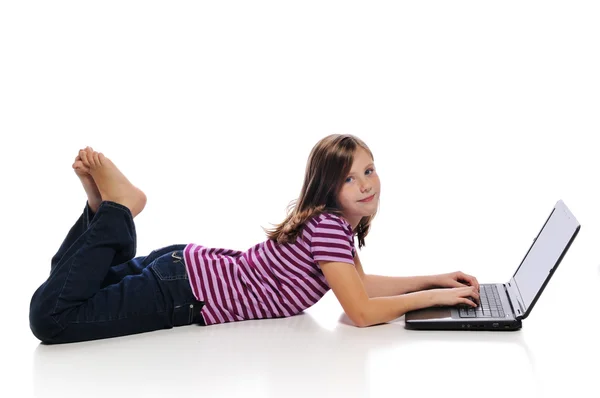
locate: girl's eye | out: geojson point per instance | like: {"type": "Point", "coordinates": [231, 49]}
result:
{"type": "Point", "coordinates": [369, 171]}
{"type": "Point", "coordinates": [349, 179]}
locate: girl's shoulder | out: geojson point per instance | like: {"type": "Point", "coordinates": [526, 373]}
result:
{"type": "Point", "coordinates": [333, 219]}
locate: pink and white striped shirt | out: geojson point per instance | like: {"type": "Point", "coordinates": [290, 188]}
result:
{"type": "Point", "coordinates": [268, 280]}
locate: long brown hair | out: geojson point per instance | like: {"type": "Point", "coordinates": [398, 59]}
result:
{"type": "Point", "coordinates": [328, 165]}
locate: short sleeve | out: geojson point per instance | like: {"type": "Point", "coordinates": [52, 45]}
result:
{"type": "Point", "coordinates": [332, 241]}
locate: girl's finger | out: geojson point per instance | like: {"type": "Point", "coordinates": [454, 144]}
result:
{"type": "Point", "coordinates": [475, 294]}
{"type": "Point", "coordinates": [472, 281]}
{"type": "Point", "coordinates": [458, 284]}
{"type": "Point", "coordinates": [468, 302]}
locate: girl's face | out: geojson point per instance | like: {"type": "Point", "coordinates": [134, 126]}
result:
{"type": "Point", "coordinates": [359, 196]}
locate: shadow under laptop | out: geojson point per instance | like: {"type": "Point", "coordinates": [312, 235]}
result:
{"type": "Point", "coordinates": [291, 357]}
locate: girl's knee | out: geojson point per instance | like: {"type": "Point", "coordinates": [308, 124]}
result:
{"type": "Point", "coordinates": [41, 322]}
{"type": "Point", "coordinates": [43, 327]}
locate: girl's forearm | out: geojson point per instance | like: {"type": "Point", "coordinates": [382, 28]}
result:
{"type": "Point", "coordinates": [385, 286]}
{"type": "Point", "coordinates": [385, 309]}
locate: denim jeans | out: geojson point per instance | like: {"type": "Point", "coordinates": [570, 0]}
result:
{"type": "Point", "coordinates": [98, 289]}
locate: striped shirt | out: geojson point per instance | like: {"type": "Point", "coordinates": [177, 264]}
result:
{"type": "Point", "coordinates": [268, 280]}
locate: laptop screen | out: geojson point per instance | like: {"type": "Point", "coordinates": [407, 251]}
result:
{"type": "Point", "coordinates": [545, 252]}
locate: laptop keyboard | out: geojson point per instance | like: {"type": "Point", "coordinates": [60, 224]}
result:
{"type": "Point", "coordinates": [490, 304]}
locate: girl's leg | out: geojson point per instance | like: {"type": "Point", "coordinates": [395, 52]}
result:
{"type": "Point", "coordinates": [91, 207]}
{"type": "Point", "coordinates": [83, 300]}
{"type": "Point", "coordinates": [72, 306]}
{"type": "Point", "coordinates": [72, 241]}
{"type": "Point", "coordinates": [135, 266]}
{"type": "Point", "coordinates": [82, 263]}
{"type": "Point", "coordinates": [158, 298]}
{"type": "Point", "coordinates": [74, 233]}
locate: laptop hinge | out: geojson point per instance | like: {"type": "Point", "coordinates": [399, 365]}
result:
{"type": "Point", "coordinates": [516, 301]}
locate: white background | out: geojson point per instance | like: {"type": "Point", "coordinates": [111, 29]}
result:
{"type": "Point", "coordinates": [480, 116]}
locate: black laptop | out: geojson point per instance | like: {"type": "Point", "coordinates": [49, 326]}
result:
{"type": "Point", "coordinates": [504, 305]}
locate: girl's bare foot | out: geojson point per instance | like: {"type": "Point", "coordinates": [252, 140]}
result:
{"type": "Point", "coordinates": [93, 194]}
{"type": "Point", "coordinates": [112, 184]}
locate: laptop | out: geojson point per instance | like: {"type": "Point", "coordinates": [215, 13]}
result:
{"type": "Point", "coordinates": [503, 306]}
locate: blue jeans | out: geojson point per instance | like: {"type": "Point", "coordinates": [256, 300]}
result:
{"type": "Point", "coordinates": [98, 289]}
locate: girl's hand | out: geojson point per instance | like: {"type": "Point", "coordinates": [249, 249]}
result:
{"type": "Point", "coordinates": [455, 296]}
{"type": "Point", "coordinates": [455, 279]}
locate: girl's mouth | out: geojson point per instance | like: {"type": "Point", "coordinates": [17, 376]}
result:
{"type": "Point", "coordinates": [370, 198]}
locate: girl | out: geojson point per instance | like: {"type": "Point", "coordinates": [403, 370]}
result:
{"type": "Point", "coordinates": [98, 289]}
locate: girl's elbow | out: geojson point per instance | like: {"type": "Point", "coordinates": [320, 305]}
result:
{"type": "Point", "coordinates": [359, 319]}
{"type": "Point", "coordinates": [359, 313]}
{"type": "Point", "coordinates": [359, 323]}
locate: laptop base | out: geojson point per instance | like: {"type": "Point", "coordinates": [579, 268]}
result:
{"type": "Point", "coordinates": [467, 324]}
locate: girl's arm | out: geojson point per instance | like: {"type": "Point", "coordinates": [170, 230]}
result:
{"type": "Point", "coordinates": [384, 286]}
{"type": "Point", "coordinates": [347, 285]}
